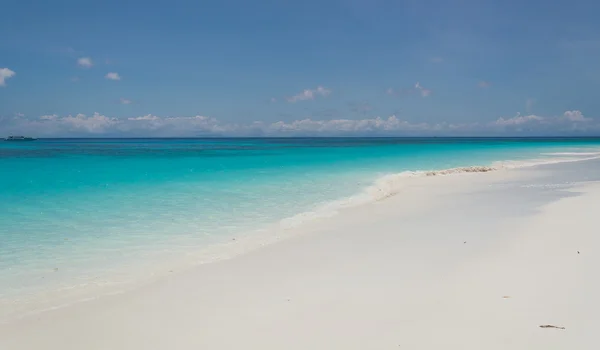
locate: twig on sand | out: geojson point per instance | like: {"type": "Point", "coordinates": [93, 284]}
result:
{"type": "Point", "coordinates": [551, 326]}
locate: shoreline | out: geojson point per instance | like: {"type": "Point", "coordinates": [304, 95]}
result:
{"type": "Point", "coordinates": [384, 188]}
{"type": "Point", "coordinates": [376, 264]}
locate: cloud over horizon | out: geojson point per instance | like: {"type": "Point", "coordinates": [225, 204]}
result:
{"type": "Point", "coordinates": [97, 125]}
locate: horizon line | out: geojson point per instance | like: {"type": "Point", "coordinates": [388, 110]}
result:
{"type": "Point", "coordinates": [315, 137]}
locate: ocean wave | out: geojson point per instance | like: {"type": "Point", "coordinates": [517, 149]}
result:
{"type": "Point", "coordinates": [390, 185]}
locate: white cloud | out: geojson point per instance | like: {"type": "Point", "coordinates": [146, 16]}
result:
{"type": "Point", "coordinates": [145, 117]}
{"type": "Point", "coordinates": [124, 101]}
{"type": "Point", "coordinates": [85, 62]}
{"type": "Point", "coordinates": [576, 116]}
{"type": "Point", "coordinates": [80, 124]}
{"type": "Point", "coordinates": [309, 94]}
{"type": "Point", "coordinates": [424, 92]}
{"type": "Point", "coordinates": [113, 76]}
{"type": "Point", "coordinates": [568, 119]}
{"type": "Point", "coordinates": [152, 125]}
{"type": "Point", "coordinates": [5, 73]}
{"type": "Point", "coordinates": [95, 124]}
{"type": "Point", "coordinates": [391, 123]}
{"type": "Point", "coordinates": [518, 120]}
{"type": "Point", "coordinates": [175, 126]}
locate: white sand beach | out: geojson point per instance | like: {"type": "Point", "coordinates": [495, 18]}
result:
{"type": "Point", "coordinates": [470, 261]}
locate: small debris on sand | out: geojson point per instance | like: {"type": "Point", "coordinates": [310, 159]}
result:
{"type": "Point", "coordinates": [465, 242]}
{"type": "Point", "coordinates": [578, 252]}
{"type": "Point", "coordinates": [551, 326]}
{"type": "Point", "coordinates": [506, 297]}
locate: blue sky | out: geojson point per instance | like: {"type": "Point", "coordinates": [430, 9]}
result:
{"type": "Point", "coordinates": [183, 68]}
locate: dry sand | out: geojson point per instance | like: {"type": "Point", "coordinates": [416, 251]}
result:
{"type": "Point", "coordinates": [476, 261]}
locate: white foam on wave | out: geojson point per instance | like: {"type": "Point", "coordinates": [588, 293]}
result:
{"type": "Point", "coordinates": [391, 184]}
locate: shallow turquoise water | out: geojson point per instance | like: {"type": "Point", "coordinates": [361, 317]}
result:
{"type": "Point", "coordinates": [90, 207]}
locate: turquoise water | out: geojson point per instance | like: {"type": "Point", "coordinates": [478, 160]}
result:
{"type": "Point", "coordinates": [75, 211]}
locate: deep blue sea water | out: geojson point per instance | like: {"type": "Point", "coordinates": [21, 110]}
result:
{"type": "Point", "coordinates": [75, 211]}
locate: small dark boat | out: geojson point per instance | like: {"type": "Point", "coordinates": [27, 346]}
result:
{"type": "Point", "coordinates": [20, 138]}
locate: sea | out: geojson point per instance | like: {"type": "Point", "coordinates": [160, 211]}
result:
{"type": "Point", "coordinates": [81, 214]}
